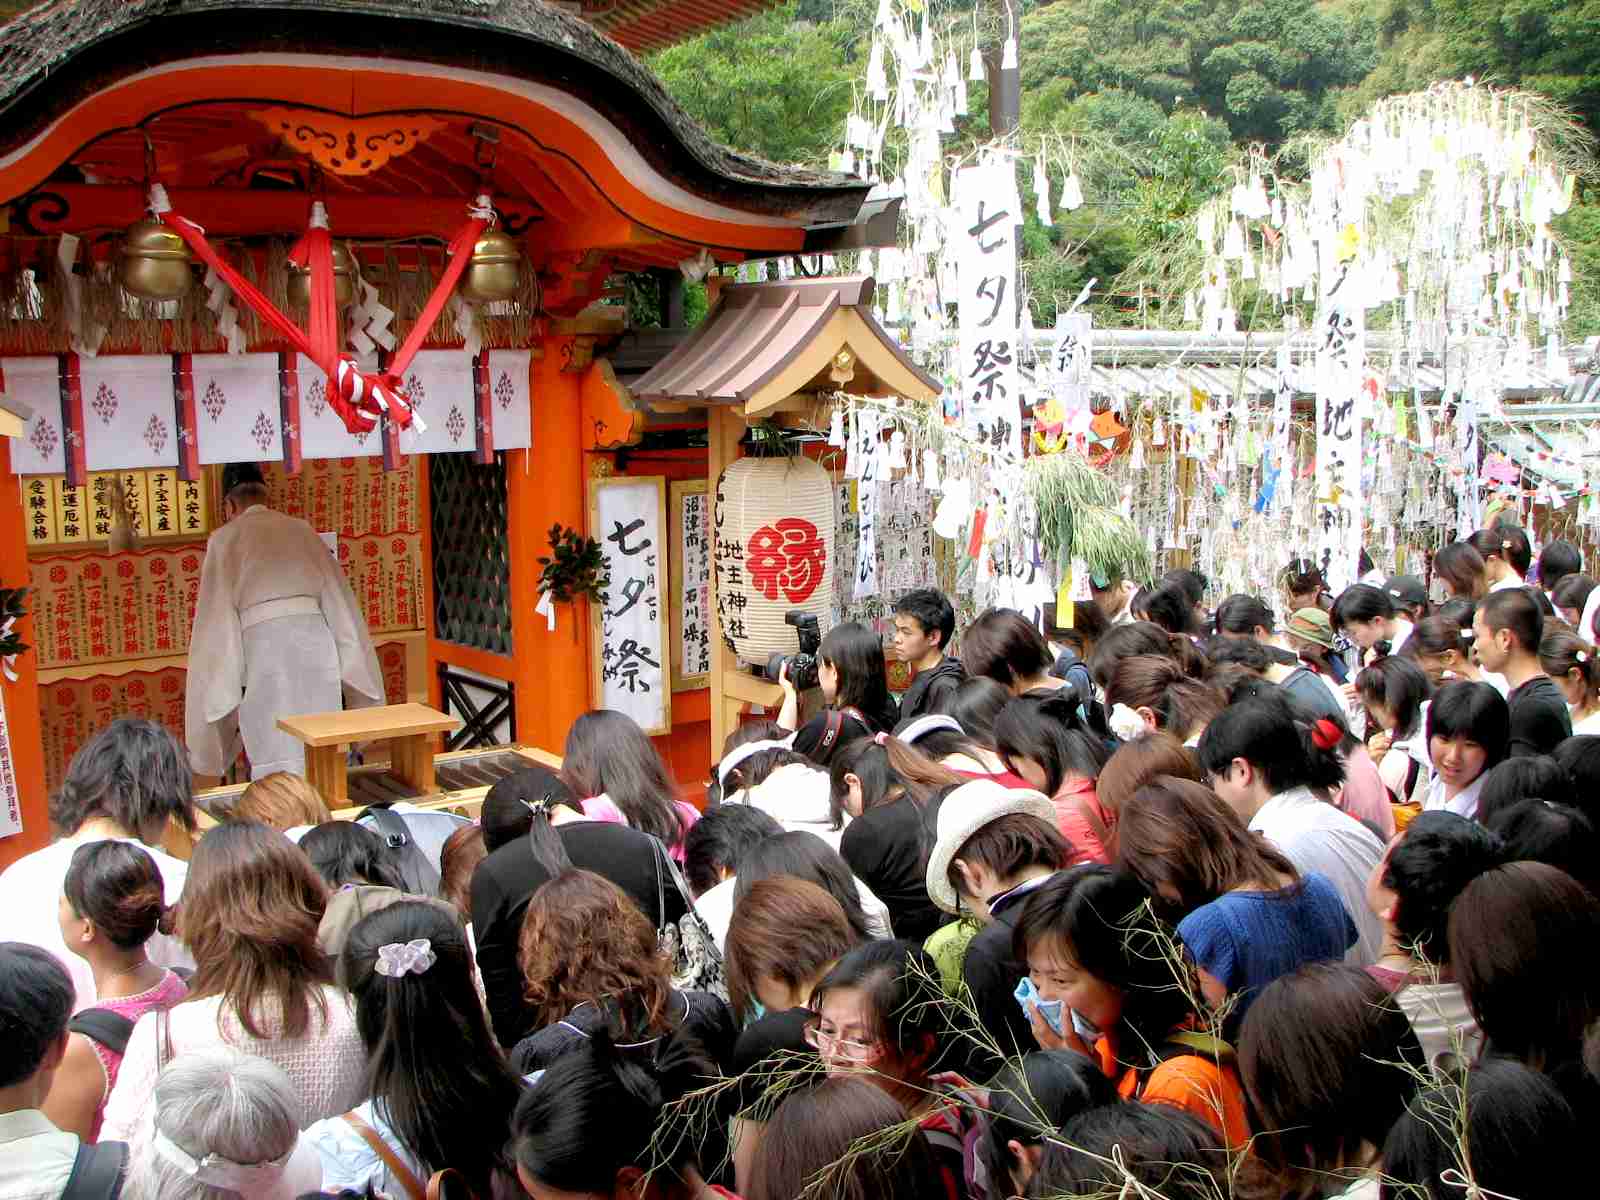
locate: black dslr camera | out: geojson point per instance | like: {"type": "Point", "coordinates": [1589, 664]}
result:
{"type": "Point", "coordinates": [802, 666]}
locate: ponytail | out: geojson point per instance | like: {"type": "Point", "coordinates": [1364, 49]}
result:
{"type": "Point", "coordinates": [887, 769]}
{"type": "Point", "coordinates": [549, 851]}
{"type": "Point", "coordinates": [1156, 682]}
{"type": "Point", "coordinates": [1561, 652]}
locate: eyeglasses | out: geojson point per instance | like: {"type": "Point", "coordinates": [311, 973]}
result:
{"type": "Point", "coordinates": [831, 1043]}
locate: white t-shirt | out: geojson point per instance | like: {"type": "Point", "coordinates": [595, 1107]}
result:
{"type": "Point", "coordinates": [1440, 1017]}
{"type": "Point", "coordinates": [30, 896]}
{"type": "Point", "coordinates": [1316, 836]}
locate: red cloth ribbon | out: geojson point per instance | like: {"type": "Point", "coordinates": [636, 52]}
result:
{"type": "Point", "coordinates": [1325, 735]}
{"type": "Point", "coordinates": [359, 397]}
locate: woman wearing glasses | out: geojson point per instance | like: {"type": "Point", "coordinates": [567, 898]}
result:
{"type": "Point", "coordinates": [881, 1014]}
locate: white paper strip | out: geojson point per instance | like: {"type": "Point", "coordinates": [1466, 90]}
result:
{"type": "Point", "coordinates": [128, 412]}
{"type": "Point", "coordinates": [36, 382]}
{"type": "Point", "coordinates": [322, 433]}
{"type": "Point", "coordinates": [439, 385]}
{"type": "Point", "coordinates": [512, 397]}
{"type": "Point", "coordinates": [236, 407]}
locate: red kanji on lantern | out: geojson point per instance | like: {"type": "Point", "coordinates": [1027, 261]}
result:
{"type": "Point", "coordinates": [787, 555]}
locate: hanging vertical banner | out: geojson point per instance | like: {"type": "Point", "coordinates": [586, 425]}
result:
{"type": "Point", "coordinates": [986, 313]}
{"type": "Point", "coordinates": [691, 585]}
{"type": "Point", "coordinates": [1341, 364]}
{"type": "Point", "coordinates": [10, 802]}
{"type": "Point", "coordinates": [628, 517]}
{"type": "Point", "coordinates": [1467, 439]}
{"type": "Point", "coordinates": [1071, 365]}
{"type": "Point", "coordinates": [866, 429]}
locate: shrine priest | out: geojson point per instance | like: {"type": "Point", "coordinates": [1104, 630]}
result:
{"type": "Point", "coordinates": [277, 632]}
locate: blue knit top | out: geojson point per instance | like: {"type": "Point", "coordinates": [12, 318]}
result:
{"type": "Point", "coordinates": [1247, 939]}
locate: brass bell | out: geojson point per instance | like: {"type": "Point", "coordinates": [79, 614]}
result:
{"type": "Point", "coordinates": [155, 262]}
{"type": "Point", "coordinates": [494, 273]}
{"type": "Point", "coordinates": [344, 280]}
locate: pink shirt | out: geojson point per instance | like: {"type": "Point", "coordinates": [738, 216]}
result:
{"type": "Point", "coordinates": [165, 994]}
{"type": "Point", "coordinates": [603, 808]}
{"type": "Point", "coordinates": [1075, 796]}
{"type": "Point", "coordinates": [1365, 796]}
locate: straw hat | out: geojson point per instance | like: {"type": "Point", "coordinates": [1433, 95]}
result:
{"type": "Point", "coordinates": [966, 810]}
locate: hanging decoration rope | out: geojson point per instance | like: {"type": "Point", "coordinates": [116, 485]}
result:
{"type": "Point", "coordinates": [359, 397]}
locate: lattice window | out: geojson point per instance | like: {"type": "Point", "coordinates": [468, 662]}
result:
{"type": "Point", "coordinates": [471, 557]}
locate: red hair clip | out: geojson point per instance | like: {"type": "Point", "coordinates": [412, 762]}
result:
{"type": "Point", "coordinates": [1325, 734]}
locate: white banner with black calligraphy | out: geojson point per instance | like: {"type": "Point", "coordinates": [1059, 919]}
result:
{"type": "Point", "coordinates": [986, 314]}
{"type": "Point", "coordinates": [694, 557]}
{"type": "Point", "coordinates": [10, 797]}
{"type": "Point", "coordinates": [870, 462]}
{"type": "Point", "coordinates": [629, 522]}
{"type": "Point", "coordinates": [1341, 367]}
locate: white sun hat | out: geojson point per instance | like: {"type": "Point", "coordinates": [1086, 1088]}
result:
{"type": "Point", "coordinates": [966, 810]}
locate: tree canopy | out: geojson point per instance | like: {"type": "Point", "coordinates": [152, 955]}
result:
{"type": "Point", "coordinates": [1151, 102]}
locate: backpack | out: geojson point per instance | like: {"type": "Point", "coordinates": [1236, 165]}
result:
{"type": "Point", "coordinates": [415, 838]}
{"type": "Point", "coordinates": [111, 1029]}
{"type": "Point", "coordinates": [97, 1170]}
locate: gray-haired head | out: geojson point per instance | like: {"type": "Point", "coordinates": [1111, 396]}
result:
{"type": "Point", "coordinates": [133, 772]}
{"type": "Point", "coordinates": [224, 1111]}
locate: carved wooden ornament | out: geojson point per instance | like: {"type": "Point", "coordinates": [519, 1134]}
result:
{"type": "Point", "coordinates": [348, 145]}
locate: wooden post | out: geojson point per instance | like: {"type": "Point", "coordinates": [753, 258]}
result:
{"type": "Point", "coordinates": [724, 428]}
{"type": "Point", "coordinates": [21, 698]}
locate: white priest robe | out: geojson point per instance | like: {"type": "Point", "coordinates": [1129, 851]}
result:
{"type": "Point", "coordinates": [277, 631]}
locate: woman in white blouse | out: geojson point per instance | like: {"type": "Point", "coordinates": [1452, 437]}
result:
{"type": "Point", "coordinates": [249, 914]}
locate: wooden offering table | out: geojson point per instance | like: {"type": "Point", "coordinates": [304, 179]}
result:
{"type": "Point", "coordinates": [410, 730]}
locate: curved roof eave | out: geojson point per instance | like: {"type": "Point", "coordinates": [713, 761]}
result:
{"type": "Point", "coordinates": [61, 53]}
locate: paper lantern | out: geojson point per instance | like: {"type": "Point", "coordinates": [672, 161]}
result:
{"type": "Point", "coordinates": [774, 552]}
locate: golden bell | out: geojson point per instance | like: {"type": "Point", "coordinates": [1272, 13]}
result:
{"type": "Point", "coordinates": [344, 279]}
{"type": "Point", "coordinates": [494, 273]}
{"type": "Point", "coordinates": [155, 262]}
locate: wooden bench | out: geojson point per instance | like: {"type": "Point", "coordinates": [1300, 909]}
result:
{"type": "Point", "coordinates": [410, 730]}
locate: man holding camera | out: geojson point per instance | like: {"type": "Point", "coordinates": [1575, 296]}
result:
{"type": "Point", "coordinates": [924, 623]}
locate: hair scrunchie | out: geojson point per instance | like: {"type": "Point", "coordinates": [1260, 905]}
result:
{"type": "Point", "coordinates": [1325, 734]}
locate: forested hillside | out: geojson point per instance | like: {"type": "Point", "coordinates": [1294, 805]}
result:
{"type": "Point", "coordinates": [1153, 99]}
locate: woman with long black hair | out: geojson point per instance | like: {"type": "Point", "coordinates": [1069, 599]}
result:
{"type": "Point", "coordinates": [854, 678]}
{"type": "Point", "coordinates": [440, 1101]}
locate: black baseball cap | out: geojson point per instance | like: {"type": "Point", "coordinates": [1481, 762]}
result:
{"type": "Point", "coordinates": [1406, 590]}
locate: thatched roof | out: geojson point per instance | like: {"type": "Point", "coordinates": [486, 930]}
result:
{"type": "Point", "coordinates": [54, 55]}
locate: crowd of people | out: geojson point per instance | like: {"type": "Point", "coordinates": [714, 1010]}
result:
{"type": "Point", "coordinates": [1286, 895]}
